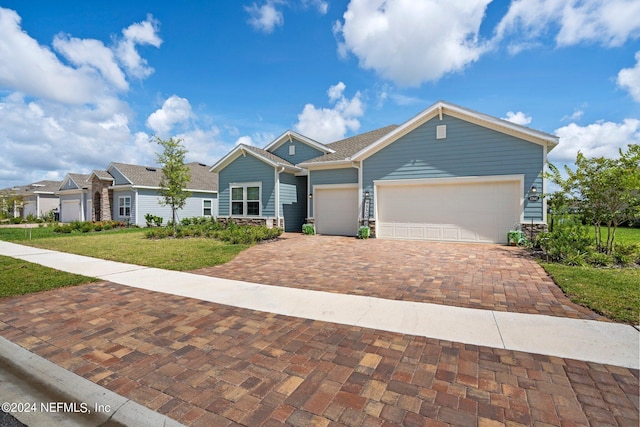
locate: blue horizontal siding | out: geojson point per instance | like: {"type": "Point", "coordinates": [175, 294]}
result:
{"type": "Point", "coordinates": [302, 152]}
{"type": "Point", "coordinates": [247, 169]}
{"type": "Point", "coordinates": [331, 176]}
{"type": "Point", "coordinates": [468, 150]}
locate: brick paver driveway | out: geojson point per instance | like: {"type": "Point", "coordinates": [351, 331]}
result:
{"type": "Point", "coordinates": [481, 276]}
{"type": "Point", "coordinates": [206, 364]}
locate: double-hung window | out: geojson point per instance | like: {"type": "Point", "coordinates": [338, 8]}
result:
{"type": "Point", "coordinates": [207, 207]}
{"type": "Point", "coordinates": [245, 199]}
{"type": "Point", "coordinates": [124, 204]}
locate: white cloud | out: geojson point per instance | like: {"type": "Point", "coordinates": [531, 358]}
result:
{"type": "Point", "coordinates": [141, 33]}
{"type": "Point", "coordinates": [577, 115]}
{"type": "Point", "coordinates": [331, 124]}
{"type": "Point", "coordinates": [607, 22]}
{"type": "Point", "coordinates": [412, 41]}
{"type": "Point", "coordinates": [61, 138]}
{"type": "Point", "coordinates": [320, 5]}
{"type": "Point", "coordinates": [600, 139]}
{"type": "Point", "coordinates": [629, 79]}
{"type": "Point", "coordinates": [94, 54]}
{"type": "Point", "coordinates": [68, 115]}
{"type": "Point", "coordinates": [32, 69]}
{"type": "Point", "coordinates": [174, 111]}
{"type": "Point", "coordinates": [518, 118]}
{"type": "Point", "coordinates": [266, 17]}
{"type": "Point", "coordinates": [245, 140]}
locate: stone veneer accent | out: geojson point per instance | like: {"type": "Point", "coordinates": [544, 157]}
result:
{"type": "Point", "coordinates": [372, 226]}
{"type": "Point", "coordinates": [537, 229]}
{"type": "Point", "coordinates": [106, 199]}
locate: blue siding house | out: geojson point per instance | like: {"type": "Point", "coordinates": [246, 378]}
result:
{"type": "Point", "coordinates": [447, 174]}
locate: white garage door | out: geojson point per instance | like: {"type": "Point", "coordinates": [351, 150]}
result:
{"type": "Point", "coordinates": [336, 210]}
{"type": "Point", "coordinates": [451, 211]}
{"type": "Point", "coordinates": [70, 211]}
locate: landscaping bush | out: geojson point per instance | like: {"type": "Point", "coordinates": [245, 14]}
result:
{"type": "Point", "coordinates": [87, 227]}
{"type": "Point", "coordinates": [364, 232]}
{"type": "Point", "coordinates": [308, 229]}
{"type": "Point", "coordinates": [208, 227]}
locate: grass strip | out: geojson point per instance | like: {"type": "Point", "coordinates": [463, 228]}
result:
{"type": "Point", "coordinates": [19, 277]}
{"type": "Point", "coordinates": [613, 292]}
{"type": "Point", "coordinates": [134, 248]}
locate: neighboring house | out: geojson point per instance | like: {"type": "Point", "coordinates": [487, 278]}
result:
{"type": "Point", "coordinates": [35, 199]}
{"type": "Point", "coordinates": [75, 198]}
{"type": "Point", "coordinates": [126, 192]}
{"type": "Point", "coordinates": [447, 174]}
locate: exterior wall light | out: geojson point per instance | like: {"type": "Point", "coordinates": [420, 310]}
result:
{"type": "Point", "coordinates": [310, 196]}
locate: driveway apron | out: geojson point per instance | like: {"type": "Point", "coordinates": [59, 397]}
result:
{"type": "Point", "coordinates": [482, 276]}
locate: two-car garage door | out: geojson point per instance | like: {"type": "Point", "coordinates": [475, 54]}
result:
{"type": "Point", "coordinates": [449, 210]}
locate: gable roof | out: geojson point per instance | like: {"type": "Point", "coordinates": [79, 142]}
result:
{"type": "Point", "coordinates": [80, 180]}
{"type": "Point", "coordinates": [100, 174]}
{"type": "Point", "coordinates": [345, 148]}
{"type": "Point", "coordinates": [150, 176]}
{"type": "Point", "coordinates": [259, 153]}
{"type": "Point", "coordinates": [481, 119]}
{"type": "Point", "coordinates": [288, 135]}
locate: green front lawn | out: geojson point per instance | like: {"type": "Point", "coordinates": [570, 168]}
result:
{"type": "Point", "coordinates": [19, 277]}
{"type": "Point", "coordinates": [613, 292]}
{"type": "Point", "coordinates": [131, 246]}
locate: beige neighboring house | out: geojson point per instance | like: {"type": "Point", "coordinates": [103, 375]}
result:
{"type": "Point", "coordinates": [37, 199]}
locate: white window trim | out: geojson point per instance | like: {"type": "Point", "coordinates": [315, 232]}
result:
{"type": "Point", "coordinates": [122, 206]}
{"type": "Point", "coordinates": [210, 207]}
{"type": "Point", "coordinates": [244, 186]}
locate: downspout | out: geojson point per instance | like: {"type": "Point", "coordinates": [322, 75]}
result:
{"type": "Point", "coordinates": [278, 172]}
{"type": "Point", "coordinates": [360, 206]}
{"type": "Point", "coordinates": [135, 193]}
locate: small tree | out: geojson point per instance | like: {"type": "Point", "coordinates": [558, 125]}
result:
{"type": "Point", "coordinates": [606, 191]}
{"type": "Point", "coordinates": [175, 175]}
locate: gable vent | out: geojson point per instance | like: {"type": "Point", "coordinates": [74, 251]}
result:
{"type": "Point", "coordinates": [441, 131]}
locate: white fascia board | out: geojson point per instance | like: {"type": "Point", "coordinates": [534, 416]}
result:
{"type": "Point", "coordinates": [333, 164]}
{"type": "Point", "coordinates": [239, 151]}
{"type": "Point", "coordinates": [471, 116]}
{"type": "Point", "coordinates": [285, 137]}
{"type": "Point", "coordinates": [70, 191]}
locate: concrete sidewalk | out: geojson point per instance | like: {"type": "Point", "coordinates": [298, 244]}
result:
{"type": "Point", "coordinates": [586, 340]}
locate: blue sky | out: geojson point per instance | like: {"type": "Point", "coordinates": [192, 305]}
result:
{"type": "Point", "coordinates": [86, 83]}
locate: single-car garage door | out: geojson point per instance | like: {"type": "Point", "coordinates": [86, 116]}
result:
{"type": "Point", "coordinates": [70, 211]}
{"type": "Point", "coordinates": [450, 210]}
{"type": "Point", "coordinates": [336, 210]}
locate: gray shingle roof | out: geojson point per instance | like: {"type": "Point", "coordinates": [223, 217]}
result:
{"type": "Point", "coordinates": [102, 175]}
{"type": "Point", "coordinates": [80, 179]}
{"type": "Point", "coordinates": [44, 186]}
{"type": "Point", "coordinates": [268, 155]}
{"type": "Point", "coordinates": [346, 148]}
{"type": "Point", "coordinates": [150, 176]}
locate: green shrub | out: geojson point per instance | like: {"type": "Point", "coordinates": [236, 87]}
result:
{"type": "Point", "coordinates": [308, 229]}
{"type": "Point", "coordinates": [599, 259]}
{"type": "Point", "coordinates": [16, 220]}
{"type": "Point", "coordinates": [364, 232]}
{"type": "Point", "coordinates": [569, 242]}
{"type": "Point", "coordinates": [626, 254]}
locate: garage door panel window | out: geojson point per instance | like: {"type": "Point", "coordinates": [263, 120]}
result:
{"type": "Point", "coordinates": [245, 200]}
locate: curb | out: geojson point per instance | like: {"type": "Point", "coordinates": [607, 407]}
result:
{"type": "Point", "coordinates": [46, 394]}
